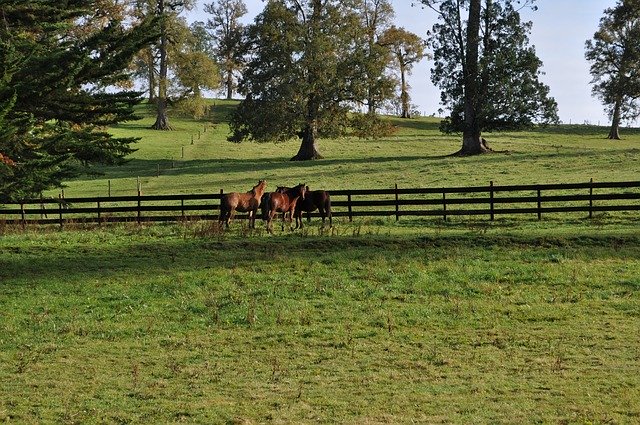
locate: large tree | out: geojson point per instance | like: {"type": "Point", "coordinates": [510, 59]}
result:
{"type": "Point", "coordinates": [303, 75]}
{"type": "Point", "coordinates": [227, 33]}
{"type": "Point", "coordinates": [614, 54]}
{"type": "Point", "coordinates": [487, 71]}
{"type": "Point", "coordinates": [407, 49]}
{"type": "Point", "coordinates": [57, 92]}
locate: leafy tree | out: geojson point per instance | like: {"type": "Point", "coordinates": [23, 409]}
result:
{"type": "Point", "coordinates": [56, 92]}
{"type": "Point", "coordinates": [376, 17]}
{"type": "Point", "coordinates": [167, 9]}
{"type": "Point", "coordinates": [407, 49]}
{"type": "Point", "coordinates": [486, 70]}
{"type": "Point", "coordinates": [227, 35]}
{"type": "Point", "coordinates": [614, 54]}
{"type": "Point", "coordinates": [304, 73]}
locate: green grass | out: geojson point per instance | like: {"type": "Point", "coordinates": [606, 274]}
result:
{"type": "Point", "coordinates": [375, 321]}
{"type": "Point", "coordinates": [415, 156]}
{"type": "Point", "coordinates": [508, 324]}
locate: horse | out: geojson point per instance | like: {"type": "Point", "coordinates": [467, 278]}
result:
{"type": "Point", "coordinates": [314, 199]}
{"type": "Point", "coordinates": [243, 202]}
{"type": "Point", "coordinates": [284, 202]}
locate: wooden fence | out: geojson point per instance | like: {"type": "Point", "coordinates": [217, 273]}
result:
{"type": "Point", "coordinates": [489, 201]}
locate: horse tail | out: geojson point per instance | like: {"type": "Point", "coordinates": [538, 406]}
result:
{"type": "Point", "coordinates": [264, 206]}
{"type": "Point", "coordinates": [327, 208]}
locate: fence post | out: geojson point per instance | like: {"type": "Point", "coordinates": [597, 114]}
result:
{"type": "Point", "coordinates": [591, 198]}
{"type": "Point", "coordinates": [99, 221]}
{"type": "Point", "coordinates": [109, 188]}
{"type": "Point", "coordinates": [491, 199]}
{"type": "Point", "coordinates": [539, 204]}
{"type": "Point", "coordinates": [61, 200]}
{"type": "Point", "coordinates": [139, 201]}
{"type": "Point", "coordinates": [22, 215]}
{"type": "Point", "coordinates": [397, 205]}
{"type": "Point", "coordinates": [349, 207]}
{"type": "Point", "coordinates": [444, 204]}
{"type": "Point", "coordinates": [220, 210]}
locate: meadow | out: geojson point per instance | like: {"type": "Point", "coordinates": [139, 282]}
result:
{"type": "Point", "coordinates": [375, 321]}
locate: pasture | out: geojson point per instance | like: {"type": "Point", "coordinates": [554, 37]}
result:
{"type": "Point", "coordinates": [375, 321]}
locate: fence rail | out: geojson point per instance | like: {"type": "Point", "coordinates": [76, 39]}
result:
{"type": "Point", "coordinates": [490, 201]}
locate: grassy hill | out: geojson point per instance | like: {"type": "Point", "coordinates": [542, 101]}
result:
{"type": "Point", "coordinates": [415, 156]}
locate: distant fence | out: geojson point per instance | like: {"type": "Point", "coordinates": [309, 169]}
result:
{"type": "Point", "coordinates": [489, 201]}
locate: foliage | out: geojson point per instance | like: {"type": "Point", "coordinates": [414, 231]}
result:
{"type": "Point", "coordinates": [371, 126]}
{"type": "Point", "coordinates": [510, 94]}
{"type": "Point", "coordinates": [614, 54]}
{"type": "Point", "coordinates": [304, 73]}
{"type": "Point", "coordinates": [407, 49]}
{"type": "Point", "coordinates": [227, 38]}
{"type": "Point", "coordinates": [55, 92]}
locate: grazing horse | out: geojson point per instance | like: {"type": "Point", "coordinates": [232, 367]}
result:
{"type": "Point", "coordinates": [243, 202]}
{"type": "Point", "coordinates": [284, 202]}
{"type": "Point", "coordinates": [314, 199]}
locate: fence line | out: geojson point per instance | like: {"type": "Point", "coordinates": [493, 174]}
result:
{"type": "Point", "coordinates": [490, 201]}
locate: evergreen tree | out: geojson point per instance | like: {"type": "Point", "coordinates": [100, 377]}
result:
{"type": "Point", "coordinates": [487, 71]}
{"type": "Point", "coordinates": [56, 92]}
{"type": "Point", "coordinates": [614, 54]}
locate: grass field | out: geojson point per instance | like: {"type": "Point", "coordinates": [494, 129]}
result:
{"type": "Point", "coordinates": [420, 321]}
{"type": "Point", "coordinates": [415, 156]}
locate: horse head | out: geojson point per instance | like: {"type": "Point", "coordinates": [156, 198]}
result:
{"type": "Point", "coordinates": [258, 190]}
{"type": "Point", "coordinates": [302, 190]}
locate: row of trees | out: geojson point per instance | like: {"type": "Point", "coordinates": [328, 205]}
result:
{"type": "Point", "coordinates": [305, 68]}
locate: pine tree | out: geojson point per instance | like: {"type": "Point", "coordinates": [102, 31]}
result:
{"type": "Point", "coordinates": [487, 71]}
{"type": "Point", "coordinates": [57, 92]}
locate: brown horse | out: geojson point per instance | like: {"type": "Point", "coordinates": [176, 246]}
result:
{"type": "Point", "coordinates": [314, 199]}
{"type": "Point", "coordinates": [243, 202]}
{"type": "Point", "coordinates": [284, 202]}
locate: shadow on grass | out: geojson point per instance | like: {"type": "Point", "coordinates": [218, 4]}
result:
{"type": "Point", "coordinates": [155, 256]}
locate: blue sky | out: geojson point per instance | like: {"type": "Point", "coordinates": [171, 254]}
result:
{"type": "Point", "coordinates": [560, 29]}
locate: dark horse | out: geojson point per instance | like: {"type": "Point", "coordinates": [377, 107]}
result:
{"type": "Point", "coordinates": [243, 202]}
{"type": "Point", "coordinates": [314, 199]}
{"type": "Point", "coordinates": [284, 202]}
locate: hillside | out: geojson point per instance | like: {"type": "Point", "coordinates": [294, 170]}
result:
{"type": "Point", "coordinates": [415, 156]}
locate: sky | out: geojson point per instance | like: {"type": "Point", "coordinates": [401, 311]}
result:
{"type": "Point", "coordinates": [560, 29]}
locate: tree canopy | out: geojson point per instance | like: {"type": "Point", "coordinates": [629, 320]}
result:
{"type": "Point", "coordinates": [614, 55]}
{"type": "Point", "coordinates": [304, 73]}
{"type": "Point", "coordinates": [57, 92]}
{"type": "Point", "coordinates": [486, 70]}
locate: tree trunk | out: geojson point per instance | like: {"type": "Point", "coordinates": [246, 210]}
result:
{"type": "Point", "coordinates": [151, 75]}
{"type": "Point", "coordinates": [308, 148]}
{"type": "Point", "coordinates": [162, 122]}
{"type": "Point", "coordinates": [229, 84]}
{"type": "Point", "coordinates": [404, 94]}
{"type": "Point", "coordinates": [472, 143]}
{"type": "Point", "coordinates": [614, 132]}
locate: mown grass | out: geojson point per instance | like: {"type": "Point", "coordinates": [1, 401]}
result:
{"type": "Point", "coordinates": [375, 321]}
{"type": "Point", "coordinates": [415, 156]}
{"type": "Point", "coordinates": [513, 323]}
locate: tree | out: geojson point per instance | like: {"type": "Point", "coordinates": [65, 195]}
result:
{"type": "Point", "coordinates": [376, 16]}
{"type": "Point", "coordinates": [303, 74]}
{"type": "Point", "coordinates": [486, 70]}
{"type": "Point", "coordinates": [227, 34]}
{"type": "Point", "coordinates": [614, 54]}
{"type": "Point", "coordinates": [57, 92]}
{"type": "Point", "coordinates": [407, 49]}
